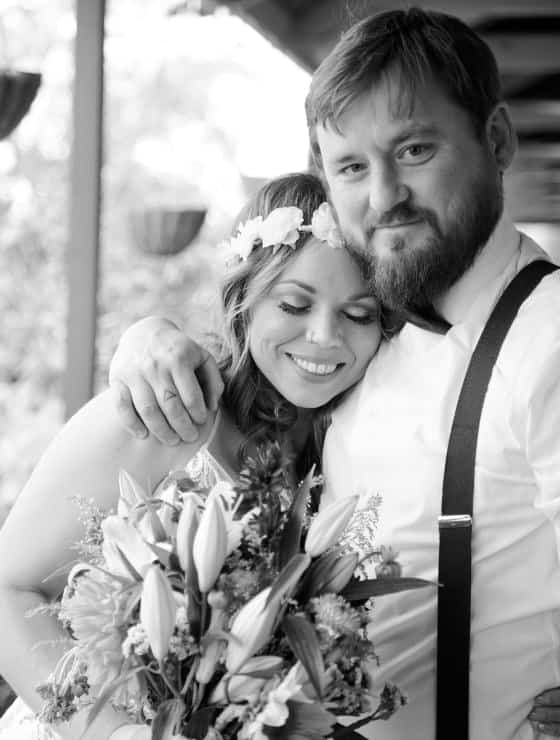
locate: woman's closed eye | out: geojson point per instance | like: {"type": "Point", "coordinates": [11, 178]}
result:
{"type": "Point", "coordinates": [362, 315]}
{"type": "Point", "coordinates": [294, 307]}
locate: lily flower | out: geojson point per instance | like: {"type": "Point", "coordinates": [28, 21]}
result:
{"type": "Point", "coordinates": [251, 629]}
{"type": "Point", "coordinates": [186, 530]}
{"type": "Point", "coordinates": [121, 538]}
{"type": "Point", "coordinates": [210, 544]}
{"type": "Point", "coordinates": [328, 526]}
{"type": "Point", "coordinates": [158, 609]}
{"type": "Point", "coordinates": [242, 686]}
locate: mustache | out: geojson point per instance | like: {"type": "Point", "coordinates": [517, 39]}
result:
{"type": "Point", "coordinates": [404, 211]}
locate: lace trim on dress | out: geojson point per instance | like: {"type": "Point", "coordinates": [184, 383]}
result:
{"type": "Point", "coordinates": [203, 468]}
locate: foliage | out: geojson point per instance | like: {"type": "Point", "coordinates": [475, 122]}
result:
{"type": "Point", "coordinates": [172, 133]}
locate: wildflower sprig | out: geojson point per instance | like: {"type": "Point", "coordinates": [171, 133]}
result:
{"type": "Point", "coordinates": [227, 613]}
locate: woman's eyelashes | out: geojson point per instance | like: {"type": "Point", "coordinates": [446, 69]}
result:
{"type": "Point", "coordinates": [356, 314]}
{"type": "Point", "coordinates": [292, 308]}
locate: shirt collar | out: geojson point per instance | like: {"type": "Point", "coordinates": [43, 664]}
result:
{"type": "Point", "coordinates": [483, 282]}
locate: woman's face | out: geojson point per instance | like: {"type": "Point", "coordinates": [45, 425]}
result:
{"type": "Point", "coordinates": [314, 332]}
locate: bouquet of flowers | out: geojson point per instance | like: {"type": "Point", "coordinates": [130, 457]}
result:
{"type": "Point", "coordinates": [229, 613]}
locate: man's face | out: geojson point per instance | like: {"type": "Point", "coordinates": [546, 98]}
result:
{"type": "Point", "coordinates": [416, 191]}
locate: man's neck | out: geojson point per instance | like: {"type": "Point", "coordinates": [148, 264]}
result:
{"type": "Point", "coordinates": [488, 266]}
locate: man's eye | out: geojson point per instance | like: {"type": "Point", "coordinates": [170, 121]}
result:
{"type": "Point", "coordinates": [291, 308]}
{"type": "Point", "coordinates": [352, 169]}
{"type": "Point", "coordinates": [417, 153]}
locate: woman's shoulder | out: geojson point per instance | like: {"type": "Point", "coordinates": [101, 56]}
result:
{"type": "Point", "coordinates": [96, 434]}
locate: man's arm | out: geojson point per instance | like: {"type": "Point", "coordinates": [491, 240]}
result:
{"type": "Point", "coordinates": [163, 382]}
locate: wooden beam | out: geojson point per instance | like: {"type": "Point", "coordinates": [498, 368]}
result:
{"type": "Point", "coordinates": [85, 196]}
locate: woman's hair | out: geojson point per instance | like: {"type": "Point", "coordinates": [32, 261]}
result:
{"type": "Point", "coordinates": [257, 408]}
{"type": "Point", "coordinates": [419, 45]}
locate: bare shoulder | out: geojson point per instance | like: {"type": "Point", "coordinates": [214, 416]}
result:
{"type": "Point", "coordinates": [98, 438]}
{"type": "Point", "coordinates": [82, 462]}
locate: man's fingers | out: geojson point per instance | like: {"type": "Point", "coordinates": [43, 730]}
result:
{"type": "Point", "coordinates": [148, 409]}
{"type": "Point", "coordinates": [548, 715]}
{"type": "Point", "coordinates": [126, 410]}
{"type": "Point", "coordinates": [550, 697]}
{"type": "Point", "coordinates": [211, 382]}
{"type": "Point", "coordinates": [177, 416]}
{"type": "Point", "coordinates": [190, 393]}
{"type": "Point", "coordinates": [544, 729]}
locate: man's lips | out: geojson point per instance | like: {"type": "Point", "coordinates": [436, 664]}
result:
{"type": "Point", "coordinates": [398, 224]}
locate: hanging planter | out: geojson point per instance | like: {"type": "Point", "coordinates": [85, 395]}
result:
{"type": "Point", "coordinates": [163, 231]}
{"type": "Point", "coordinates": [17, 92]}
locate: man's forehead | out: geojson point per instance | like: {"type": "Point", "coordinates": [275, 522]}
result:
{"type": "Point", "coordinates": [388, 106]}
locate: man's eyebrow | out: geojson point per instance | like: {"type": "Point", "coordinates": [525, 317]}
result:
{"type": "Point", "coordinates": [299, 283]}
{"type": "Point", "coordinates": [415, 129]}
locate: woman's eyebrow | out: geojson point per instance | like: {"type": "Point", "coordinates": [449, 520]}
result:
{"type": "Point", "coordinates": [362, 294]}
{"type": "Point", "coordinates": [304, 286]}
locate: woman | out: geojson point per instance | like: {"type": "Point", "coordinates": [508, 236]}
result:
{"type": "Point", "coordinates": [300, 328]}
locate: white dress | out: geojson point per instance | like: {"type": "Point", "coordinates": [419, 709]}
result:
{"type": "Point", "coordinates": [19, 722]}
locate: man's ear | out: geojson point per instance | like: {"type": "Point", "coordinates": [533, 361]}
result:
{"type": "Point", "coordinates": [501, 136]}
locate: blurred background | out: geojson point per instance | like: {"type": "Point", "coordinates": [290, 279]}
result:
{"type": "Point", "coordinates": [151, 125]}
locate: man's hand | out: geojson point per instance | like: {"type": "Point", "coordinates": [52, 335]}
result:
{"type": "Point", "coordinates": [545, 715]}
{"type": "Point", "coordinates": [163, 382]}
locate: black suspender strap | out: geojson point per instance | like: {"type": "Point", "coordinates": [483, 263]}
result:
{"type": "Point", "coordinates": [455, 522]}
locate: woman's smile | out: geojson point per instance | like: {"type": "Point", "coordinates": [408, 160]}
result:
{"type": "Point", "coordinates": [312, 367]}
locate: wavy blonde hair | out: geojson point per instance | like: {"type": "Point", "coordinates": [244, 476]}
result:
{"type": "Point", "coordinates": [258, 409]}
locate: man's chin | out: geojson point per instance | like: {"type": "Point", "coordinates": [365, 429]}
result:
{"type": "Point", "coordinates": [389, 243]}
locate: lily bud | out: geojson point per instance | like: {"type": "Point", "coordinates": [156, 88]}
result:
{"type": "Point", "coordinates": [186, 530]}
{"type": "Point", "coordinates": [169, 496]}
{"type": "Point", "coordinates": [329, 525]}
{"type": "Point", "coordinates": [157, 611]}
{"type": "Point", "coordinates": [251, 629]}
{"type": "Point", "coordinates": [151, 527]}
{"type": "Point", "coordinates": [210, 544]}
{"type": "Point", "coordinates": [131, 494]}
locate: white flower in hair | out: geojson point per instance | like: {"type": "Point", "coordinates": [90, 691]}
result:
{"type": "Point", "coordinates": [281, 226]}
{"type": "Point", "coordinates": [325, 228]}
{"type": "Point", "coordinates": [248, 235]}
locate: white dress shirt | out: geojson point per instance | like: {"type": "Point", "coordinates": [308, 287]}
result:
{"type": "Point", "coordinates": [390, 437]}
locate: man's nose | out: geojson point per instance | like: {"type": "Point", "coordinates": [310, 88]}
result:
{"type": "Point", "coordinates": [385, 190]}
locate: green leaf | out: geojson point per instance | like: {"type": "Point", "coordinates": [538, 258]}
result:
{"type": "Point", "coordinates": [364, 590]}
{"type": "Point", "coordinates": [288, 577]}
{"type": "Point", "coordinates": [200, 722]}
{"type": "Point", "coordinates": [305, 645]}
{"type": "Point", "coordinates": [330, 572]}
{"type": "Point", "coordinates": [167, 719]}
{"type": "Point", "coordinates": [106, 693]}
{"type": "Point", "coordinates": [290, 542]}
{"type": "Point", "coordinates": [305, 722]}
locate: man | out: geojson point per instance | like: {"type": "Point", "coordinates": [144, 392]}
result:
{"type": "Point", "coordinates": [410, 133]}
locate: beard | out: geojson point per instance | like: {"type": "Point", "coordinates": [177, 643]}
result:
{"type": "Point", "coordinates": [411, 278]}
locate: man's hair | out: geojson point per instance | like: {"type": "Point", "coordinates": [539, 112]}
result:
{"type": "Point", "coordinates": [419, 45]}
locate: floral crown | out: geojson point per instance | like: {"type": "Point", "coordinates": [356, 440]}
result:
{"type": "Point", "coordinates": [283, 226]}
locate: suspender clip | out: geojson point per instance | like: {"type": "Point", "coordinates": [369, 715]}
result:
{"type": "Point", "coordinates": [451, 521]}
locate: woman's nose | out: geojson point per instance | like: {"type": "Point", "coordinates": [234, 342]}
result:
{"type": "Point", "coordinates": [324, 330]}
